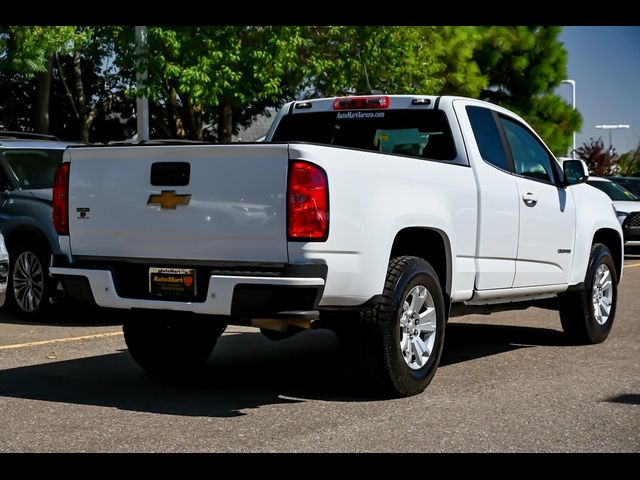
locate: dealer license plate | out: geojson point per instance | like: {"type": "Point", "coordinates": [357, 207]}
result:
{"type": "Point", "coordinates": [172, 282]}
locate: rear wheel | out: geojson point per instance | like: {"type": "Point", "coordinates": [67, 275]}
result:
{"type": "Point", "coordinates": [587, 316]}
{"type": "Point", "coordinates": [29, 283]}
{"type": "Point", "coordinates": [275, 335]}
{"type": "Point", "coordinates": [169, 345]}
{"type": "Point", "coordinates": [400, 338]}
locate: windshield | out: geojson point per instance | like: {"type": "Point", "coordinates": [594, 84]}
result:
{"type": "Point", "coordinates": [631, 184]}
{"type": "Point", "coordinates": [615, 191]}
{"type": "Point", "coordinates": [418, 133]}
{"type": "Point", "coordinates": [33, 169]}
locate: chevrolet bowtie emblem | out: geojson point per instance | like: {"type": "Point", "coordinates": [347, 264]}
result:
{"type": "Point", "coordinates": [168, 200]}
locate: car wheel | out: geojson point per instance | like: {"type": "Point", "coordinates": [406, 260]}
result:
{"type": "Point", "coordinates": [401, 337]}
{"type": "Point", "coordinates": [167, 345]}
{"type": "Point", "coordinates": [587, 316]}
{"type": "Point", "coordinates": [276, 336]}
{"type": "Point", "coordinates": [29, 286]}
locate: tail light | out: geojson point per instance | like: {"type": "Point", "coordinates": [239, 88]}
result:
{"type": "Point", "coordinates": [61, 199]}
{"type": "Point", "coordinates": [307, 202]}
{"type": "Point", "coordinates": [358, 103]}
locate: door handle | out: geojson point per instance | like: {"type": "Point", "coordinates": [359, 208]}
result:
{"type": "Point", "coordinates": [530, 200]}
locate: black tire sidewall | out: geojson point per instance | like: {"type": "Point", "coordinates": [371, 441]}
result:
{"type": "Point", "coordinates": [418, 272]}
{"type": "Point", "coordinates": [43, 255]}
{"type": "Point", "coordinates": [598, 333]}
{"type": "Point", "coordinates": [165, 346]}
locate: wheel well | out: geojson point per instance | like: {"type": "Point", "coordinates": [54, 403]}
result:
{"type": "Point", "coordinates": [22, 236]}
{"type": "Point", "coordinates": [429, 245]}
{"type": "Point", "coordinates": [611, 239]}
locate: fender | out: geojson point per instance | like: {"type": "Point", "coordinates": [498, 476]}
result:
{"type": "Point", "coordinates": [600, 216]}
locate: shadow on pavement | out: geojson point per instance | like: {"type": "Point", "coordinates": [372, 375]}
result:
{"type": "Point", "coordinates": [628, 398]}
{"type": "Point", "coordinates": [467, 341]}
{"type": "Point", "coordinates": [69, 315]}
{"type": "Point", "coordinates": [246, 371]}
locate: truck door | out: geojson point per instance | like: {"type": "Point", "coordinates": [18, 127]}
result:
{"type": "Point", "coordinates": [498, 204]}
{"type": "Point", "coordinates": [547, 211]}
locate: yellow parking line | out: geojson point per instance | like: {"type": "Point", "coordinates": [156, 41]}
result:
{"type": "Point", "coordinates": [59, 340]}
{"type": "Point", "coordinates": [631, 266]}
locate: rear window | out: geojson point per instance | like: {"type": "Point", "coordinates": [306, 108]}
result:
{"type": "Point", "coordinates": [417, 133]}
{"type": "Point", "coordinates": [33, 169]}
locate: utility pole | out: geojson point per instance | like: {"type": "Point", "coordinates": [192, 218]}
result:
{"type": "Point", "coordinates": [142, 102]}
{"type": "Point", "coordinates": [573, 103]}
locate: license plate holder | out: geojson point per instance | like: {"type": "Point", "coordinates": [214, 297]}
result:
{"type": "Point", "coordinates": [173, 282]}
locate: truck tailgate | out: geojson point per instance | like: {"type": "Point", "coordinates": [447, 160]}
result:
{"type": "Point", "coordinates": [230, 207]}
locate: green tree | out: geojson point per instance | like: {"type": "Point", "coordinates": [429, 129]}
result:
{"type": "Point", "coordinates": [348, 60]}
{"type": "Point", "coordinates": [86, 80]}
{"type": "Point", "coordinates": [61, 73]}
{"type": "Point", "coordinates": [523, 66]}
{"type": "Point", "coordinates": [629, 162]}
{"type": "Point", "coordinates": [454, 47]}
{"type": "Point", "coordinates": [216, 75]}
{"type": "Point", "coordinates": [225, 75]}
{"type": "Point", "coordinates": [29, 52]}
{"type": "Point", "coordinates": [206, 77]}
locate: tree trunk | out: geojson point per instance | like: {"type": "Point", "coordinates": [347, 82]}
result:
{"type": "Point", "coordinates": [225, 121]}
{"type": "Point", "coordinates": [175, 114]}
{"type": "Point", "coordinates": [85, 122]}
{"type": "Point", "coordinates": [43, 92]}
{"type": "Point", "coordinates": [194, 115]}
{"type": "Point", "coordinates": [197, 124]}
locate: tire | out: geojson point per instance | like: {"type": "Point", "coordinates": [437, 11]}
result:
{"type": "Point", "coordinates": [586, 322]}
{"type": "Point", "coordinates": [29, 285]}
{"type": "Point", "coordinates": [170, 346]}
{"type": "Point", "coordinates": [400, 370]}
{"type": "Point", "coordinates": [276, 336]}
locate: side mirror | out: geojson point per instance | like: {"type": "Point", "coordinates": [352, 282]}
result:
{"type": "Point", "coordinates": [575, 171]}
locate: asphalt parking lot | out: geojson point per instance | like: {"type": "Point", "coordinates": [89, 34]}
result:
{"type": "Point", "coordinates": [507, 383]}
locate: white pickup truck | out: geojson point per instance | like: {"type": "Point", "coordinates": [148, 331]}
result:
{"type": "Point", "coordinates": [377, 216]}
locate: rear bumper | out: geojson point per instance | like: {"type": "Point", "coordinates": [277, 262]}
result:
{"type": "Point", "coordinates": [243, 296]}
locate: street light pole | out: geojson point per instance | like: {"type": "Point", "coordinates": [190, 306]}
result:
{"type": "Point", "coordinates": [142, 103]}
{"type": "Point", "coordinates": [573, 104]}
{"type": "Point", "coordinates": [611, 128]}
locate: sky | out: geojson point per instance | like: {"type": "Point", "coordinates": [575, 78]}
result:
{"type": "Point", "coordinates": [605, 64]}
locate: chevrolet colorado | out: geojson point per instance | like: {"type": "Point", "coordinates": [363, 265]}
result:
{"type": "Point", "coordinates": [377, 216]}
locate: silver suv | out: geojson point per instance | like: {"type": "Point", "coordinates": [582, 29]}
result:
{"type": "Point", "coordinates": [27, 166]}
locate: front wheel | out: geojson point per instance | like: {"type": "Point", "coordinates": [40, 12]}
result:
{"type": "Point", "coordinates": [401, 337]}
{"type": "Point", "coordinates": [587, 316]}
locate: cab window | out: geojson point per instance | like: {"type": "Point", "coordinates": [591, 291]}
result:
{"type": "Point", "coordinates": [487, 136]}
{"type": "Point", "coordinates": [530, 158]}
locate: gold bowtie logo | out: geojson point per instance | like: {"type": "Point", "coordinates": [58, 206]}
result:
{"type": "Point", "coordinates": [168, 200]}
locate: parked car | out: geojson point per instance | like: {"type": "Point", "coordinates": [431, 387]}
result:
{"type": "Point", "coordinates": [627, 207]}
{"type": "Point", "coordinates": [378, 216]}
{"type": "Point", "coordinates": [4, 270]}
{"type": "Point", "coordinates": [630, 183]}
{"type": "Point", "coordinates": [27, 166]}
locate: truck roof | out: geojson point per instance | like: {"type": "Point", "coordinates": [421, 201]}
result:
{"type": "Point", "coordinates": [393, 101]}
